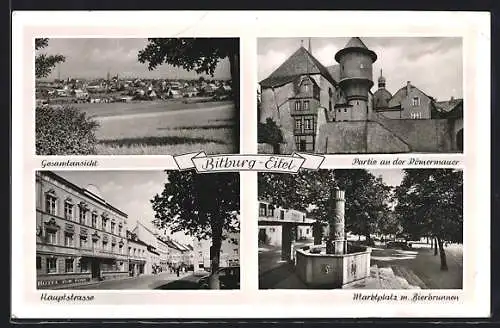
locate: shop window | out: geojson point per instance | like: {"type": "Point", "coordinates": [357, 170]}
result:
{"type": "Point", "coordinates": [51, 265]}
{"type": "Point", "coordinates": [38, 263]}
{"type": "Point", "coordinates": [69, 265]}
{"type": "Point", "coordinates": [51, 204]}
{"type": "Point", "coordinates": [84, 266]}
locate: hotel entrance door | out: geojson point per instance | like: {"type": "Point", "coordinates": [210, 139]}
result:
{"type": "Point", "coordinates": [95, 269]}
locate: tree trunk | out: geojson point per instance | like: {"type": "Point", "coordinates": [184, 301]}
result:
{"type": "Point", "coordinates": [442, 254]}
{"type": "Point", "coordinates": [435, 246]}
{"type": "Point", "coordinates": [213, 280]}
{"type": "Point", "coordinates": [234, 64]}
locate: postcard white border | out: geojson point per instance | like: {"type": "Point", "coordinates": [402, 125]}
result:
{"type": "Point", "coordinates": [249, 302]}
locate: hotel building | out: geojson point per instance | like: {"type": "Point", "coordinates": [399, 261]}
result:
{"type": "Point", "coordinates": [80, 237]}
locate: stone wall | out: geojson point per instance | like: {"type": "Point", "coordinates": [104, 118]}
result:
{"type": "Point", "coordinates": [387, 136]}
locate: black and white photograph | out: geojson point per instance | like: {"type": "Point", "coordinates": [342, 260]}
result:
{"type": "Point", "coordinates": [360, 95]}
{"type": "Point", "coordinates": [147, 230]}
{"type": "Point", "coordinates": [127, 96]}
{"type": "Point", "coordinates": [361, 229]}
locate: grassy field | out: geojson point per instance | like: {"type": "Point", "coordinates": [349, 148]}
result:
{"type": "Point", "coordinates": [164, 128]}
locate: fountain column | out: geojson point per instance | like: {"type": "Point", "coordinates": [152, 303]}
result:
{"type": "Point", "coordinates": [336, 241]}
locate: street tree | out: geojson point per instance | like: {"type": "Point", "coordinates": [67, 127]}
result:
{"type": "Point", "coordinates": [44, 63]}
{"type": "Point", "coordinates": [201, 205]}
{"type": "Point", "coordinates": [430, 203]}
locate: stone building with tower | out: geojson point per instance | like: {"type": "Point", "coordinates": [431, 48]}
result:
{"type": "Point", "coordinates": [80, 237]}
{"type": "Point", "coordinates": [332, 109]}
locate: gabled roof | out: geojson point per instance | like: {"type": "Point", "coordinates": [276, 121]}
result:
{"type": "Point", "coordinates": [299, 63]}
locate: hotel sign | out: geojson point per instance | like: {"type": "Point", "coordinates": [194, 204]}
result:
{"type": "Point", "coordinates": [59, 282]}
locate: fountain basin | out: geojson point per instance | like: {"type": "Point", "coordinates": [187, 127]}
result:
{"type": "Point", "coordinates": [331, 270]}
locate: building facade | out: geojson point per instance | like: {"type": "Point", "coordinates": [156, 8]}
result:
{"type": "Point", "coordinates": [137, 255]}
{"type": "Point", "coordinates": [333, 110]}
{"type": "Point", "coordinates": [271, 221]}
{"type": "Point", "coordinates": [79, 236]}
{"type": "Point", "coordinates": [229, 252]}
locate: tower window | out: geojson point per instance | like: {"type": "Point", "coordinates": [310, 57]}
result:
{"type": "Point", "coordinates": [306, 105]}
{"type": "Point", "coordinates": [298, 124]}
{"type": "Point", "coordinates": [297, 105]}
{"type": "Point", "coordinates": [308, 124]}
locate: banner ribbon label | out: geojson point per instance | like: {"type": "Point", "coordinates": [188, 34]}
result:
{"type": "Point", "coordinates": [240, 162]}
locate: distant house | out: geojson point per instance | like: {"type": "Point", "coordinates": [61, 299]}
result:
{"type": "Point", "coordinates": [189, 92]}
{"type": "Point", "coordinates": [174, 94]}
{"type": "Point", "coordinates": [80, 94]}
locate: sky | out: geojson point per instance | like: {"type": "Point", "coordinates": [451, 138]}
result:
{"type": "Point", "coordinates": [94, 57]}
{"type": "Point", "coordinates": [129, 191]}
{"type": "Point", "coordinates": [391, 177]}
{"type": "Point", "coordinates": [433, 64]}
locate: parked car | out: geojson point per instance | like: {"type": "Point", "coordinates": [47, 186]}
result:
{"type": "Point", "coordinates": [398, 245]}
{"type": "Point", "coordinates": [229, 278]}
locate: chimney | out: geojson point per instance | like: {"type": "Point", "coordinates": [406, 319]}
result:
{"type": "Point", "coordinates": [452, 99]}
{"type": "Point", "coordinates": [408, 86]}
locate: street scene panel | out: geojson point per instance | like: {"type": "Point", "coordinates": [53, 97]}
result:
{"type": "Point", "coordinates": [361, 229]}
{"type": "Point", "coordinates": [137, 230]}
{"type": "Point", "coordinates": [126, 96]}
{"type": "Point", "coordinates": [360, 95]}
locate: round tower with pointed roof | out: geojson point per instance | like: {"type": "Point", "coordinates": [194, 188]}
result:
{"type": "Point", "coordinates": [382, 96]}
{"type": "Point", "coordinates": [356, 79]}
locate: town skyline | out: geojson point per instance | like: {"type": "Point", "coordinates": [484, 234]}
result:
{"type": "Point", "coordinates": [92, 58]}
{"type": "Point", "coordinates": [433, 64]}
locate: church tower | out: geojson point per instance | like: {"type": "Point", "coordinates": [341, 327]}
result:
{"type": "Point", "coordinates": [356, 78]}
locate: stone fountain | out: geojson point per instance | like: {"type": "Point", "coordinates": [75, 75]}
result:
{"type": "Point", "coordinates": [334, 263]}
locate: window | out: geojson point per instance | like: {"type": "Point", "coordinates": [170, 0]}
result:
{"type": "Point", "coordinates": [282, 215]}
{"type": "Point", "coordinates": [262, 209]}
{"type": "Point", "coordinates": [94, 220]}
{"type": "Point", "coordinates": [84, 266]}
{"type": "Point", "coordinates": [119, 230]}
{"type": "Point", "coordinates": [104, 224]}
{"type": "Point", "coordinates": [330, 106]}
{"type": "Point", "coordinates": [51, 265]}
{"type": "Point", "coordinates": [51, 204]}
{"type": "Point", "coordinates": [345, 110]}
{"type": "Point", "coordinates": [416, 101]}
{"type": "Point", "coordinates": [271, 210]}
{"type": "Point", "coordinates": [94, 244]}
{"type": "Point", "coordinates": [104, 245]}
{"type": "Point", "coordinates": [130, 251]}
{"type": "Point", "coordinates": [306, 105]}
{"type": "Point", "coordinates": [339, 110]}
{"type": "Point", "coordinates": [361, 66]}
{"type": "Point", "coordinates": [308, 124]}
{"type": "Point", "coordinates": [83, 242]}
{"type": "Point", "coordinates": [68, 211]}
{"type": "Point", "coordinates": [113, 227]}
{"type": "Point", "coordinates": [120, 249]}
{"type": "Point", "coordinates": [235, 251]}
{"type": "Point", "coordinates": [307, 231]}
{"type": "Point", "coordinates": [68, 239]}
{"type": "Point", "coordinates": [112, 248]}
{"type": "Point", "coordinates": [51, 237]}
{"type": "Point", "coordinates": [69, 265]}
{"type": "Point", "coordinates": [83, 216]}
{"type": "Point", "coordinates": [38, 263]}
{"type": "Point", "coordinates": [271, 229]}
{"type": "Point", "coordinates": [297, 105]}
{"type": "Point", "coordinates": [298, 124]}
